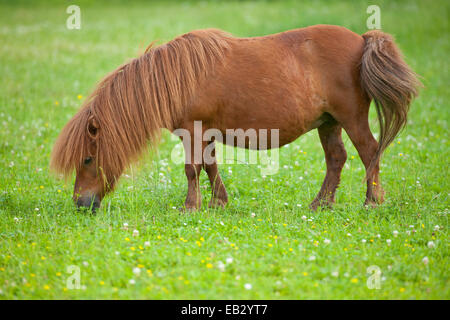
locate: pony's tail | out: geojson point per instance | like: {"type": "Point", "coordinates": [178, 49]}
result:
{"type": "Point", "coordinates": [390, 82]}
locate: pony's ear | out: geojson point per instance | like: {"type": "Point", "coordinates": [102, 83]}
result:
{"type": "Point", "coordinates": [92, 127]}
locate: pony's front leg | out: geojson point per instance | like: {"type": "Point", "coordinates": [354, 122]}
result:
{"type": "Point", "coordinates": [192, 168]}
{"type": "Point", "coordinates": [219, 197]}
{"type": "Point", "coordinates": [194, 197]}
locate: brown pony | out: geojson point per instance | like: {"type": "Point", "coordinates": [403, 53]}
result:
{"type": "Point", "coordinates": [320, 77]}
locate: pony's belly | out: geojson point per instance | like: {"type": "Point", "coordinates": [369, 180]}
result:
{"type": "Point", "coordinates": [270, 127]}
{"type": "Point", "coordinates": [260, 138]}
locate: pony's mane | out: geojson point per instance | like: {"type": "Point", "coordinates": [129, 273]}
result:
{"type": "Point", "coordinates": [131, 104]}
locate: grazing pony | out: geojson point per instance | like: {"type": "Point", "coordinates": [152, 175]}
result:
{"type": "Point", "coordinates": [320, 77]}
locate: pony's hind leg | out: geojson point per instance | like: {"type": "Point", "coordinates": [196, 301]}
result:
{"type": "Point", "coordinates": [335, 156]}
{"type": "Point", "coordinates": [219, 196]}
{"type": "Point", "coordinates": [358, 129]}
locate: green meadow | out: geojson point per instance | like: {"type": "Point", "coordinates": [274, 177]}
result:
{"type": "Point", "coordinates": [266, 244]}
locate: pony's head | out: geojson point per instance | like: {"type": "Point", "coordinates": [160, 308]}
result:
{"type": "Point", "coordinates": [113, 127]}
{"type": "Point", "coordinates": [108, 132]}
{"type": "Point", "coordinates": [79, 148]}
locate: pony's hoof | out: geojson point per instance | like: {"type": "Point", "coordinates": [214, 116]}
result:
{"type": "Point", "coordinates": [320, 204]}
{"type": "Point", "coordinates": [314, 205]}
{"type": "Point", "coordinates": [217, 203]}
{"type": "Point", "coordinates": [370, 204]}
{"type": "Point", "coordinates": [183, 210]}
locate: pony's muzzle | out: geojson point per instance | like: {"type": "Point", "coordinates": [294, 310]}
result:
{"type": "Point", "coordinates": [90, 202]}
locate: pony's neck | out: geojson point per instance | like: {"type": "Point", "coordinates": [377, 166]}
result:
{"type": "Point", "coordinates": [150, 92]}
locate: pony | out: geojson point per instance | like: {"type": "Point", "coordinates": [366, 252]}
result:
{"type": "Point", "coordinates": [320, 77]}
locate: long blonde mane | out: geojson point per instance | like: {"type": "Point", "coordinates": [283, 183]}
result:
{"type": "Point", "coordinates": [126, 111]}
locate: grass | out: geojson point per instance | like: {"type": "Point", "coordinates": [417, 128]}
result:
{"type": "Point", "coordinates": [281, 250]}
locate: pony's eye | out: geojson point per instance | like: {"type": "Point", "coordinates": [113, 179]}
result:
{"type": "Point", "coordinates": [87, 160]}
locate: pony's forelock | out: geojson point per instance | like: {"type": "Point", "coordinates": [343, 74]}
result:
{"type": "Point", "coordinates": [73, 144]}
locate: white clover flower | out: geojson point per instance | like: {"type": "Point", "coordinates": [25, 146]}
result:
{"type": "Point", "coordinates": [425, 260]}
{"type": "Point", "coordinates": [229, 260]}
{"type": "Point", "coordinates": [312, 258]}
{"type": "Point", "coordinates": [436, 228]}
{"type": "Point", "coordinates": [363, 240]}
{"type": "Point", "coordinates": [335, 274]}
{"type": "Point", "coordinates": [132, 281]}
{"type": "Point", "coordinates": [221, 266]}
{"type": "Point", "coordinates": [304, 218]}
{"type": "Point", "coordinates": [430, 244]}
{"type": "Point", "coordinates": [388, 241]}
{"type": "Point", "coordinates": [253, 214]}
{"type": "Point", "coordinates": [16, 219]}
{"type": "Point", "coordinates": [137, 271]}
{"type": "Point", "coordinates": [117, 253]}
{"type": "Point", "coordinates": [147, 244]}
{"type": "Point", "coordinates": [349, 234]}
{"type": "Point", "coordinates": [85, 263]}
{"type": "Point", "coordinates": [135, 233]}
{"type": "Point", "coordinates": [395, 233]}
{"type": "Point", "coordinates": [378, 236]}
{"type": "Point", "coordinates": [248, 286]}
{"type": "Point", "coordinates": [326, 241]}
